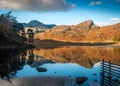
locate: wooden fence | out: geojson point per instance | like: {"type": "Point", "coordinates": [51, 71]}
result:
{"type": "Point", "coordinates": [110, 74]}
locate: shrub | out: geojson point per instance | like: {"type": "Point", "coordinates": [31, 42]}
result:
{"type": "Point", "coordinates": [116, 39]}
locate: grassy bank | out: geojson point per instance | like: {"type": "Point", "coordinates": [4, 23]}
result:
{"type": "Point", "coordinates": [53, 43]}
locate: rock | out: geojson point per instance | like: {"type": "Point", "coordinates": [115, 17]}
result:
{"type": "Point", "coordinates": [115, 80]}
{"type": "Point", "coordinates": [70, 76]}
{"type": "Point", "coordinates": [40, 69]}
{"type": "Point", "coordinates": [95, 74]}
{"type": "Point", "coordinates": [81, 80]}
{"type": "Point", "coordinates": [95, 80]}
{"type": "Point", "coordinates": [102, 73]}
{"type": "Point", "coordinates": [118, 81]}
{"type": "Point", "coordinates": [108, 76]}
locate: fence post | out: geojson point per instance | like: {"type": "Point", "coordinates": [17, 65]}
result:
{"type": "Point", "coordinates": [109, 76]}
{"type": "Point", "coordinates": [102, 72]}
{"type": "Point", "coordinates": [102, 66]}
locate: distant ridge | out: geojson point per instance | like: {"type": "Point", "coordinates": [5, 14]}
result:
{"type": "Point", "coordinates": [37, 24]}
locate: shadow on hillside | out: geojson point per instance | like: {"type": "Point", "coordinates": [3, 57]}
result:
{"type": "Point", "coordinates": [54, 44]}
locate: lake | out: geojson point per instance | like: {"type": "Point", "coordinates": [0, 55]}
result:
{"type": "Point", "coordinates": [63, 65]}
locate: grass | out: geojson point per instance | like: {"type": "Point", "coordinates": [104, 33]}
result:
{"type": "Point", "coordinates": [116, 39]}
{"type": "Point", "coordinates": [54, 44]}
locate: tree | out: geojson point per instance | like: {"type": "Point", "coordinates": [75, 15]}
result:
{"type": "Point", "coordinates": [30, 36]}
{"type": "Point", "coordinates": [9, 28]}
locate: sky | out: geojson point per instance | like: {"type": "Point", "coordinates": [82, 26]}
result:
{"type": "Point", "coordinates": [63, 12]}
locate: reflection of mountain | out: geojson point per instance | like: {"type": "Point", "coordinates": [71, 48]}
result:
{"type": "Point", "coordinates": [34, 60]}
{"type": "Point", "coordinates": [85, 56]}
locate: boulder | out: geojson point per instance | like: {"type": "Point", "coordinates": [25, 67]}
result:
{"type": "Point", "coordinates": [81, 80]}
{"type": "Point", "coordinates": [41, 69]}
{"type": "Point", "coordinates": [94, 74]}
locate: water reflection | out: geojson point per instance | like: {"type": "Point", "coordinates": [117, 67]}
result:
{"type": "Point", "coordinates": [65, 61]}
{"type": "Point", "coordinates": [30, 57]}
{"type": "Point", "coordinates": [85, 56]}
{"type": "Point", "coordinates": [10, 63]}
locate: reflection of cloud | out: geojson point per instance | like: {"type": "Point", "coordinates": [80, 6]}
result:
{"type": "Point", "coordinates": [36, 5]}
{"type": "Point", "coordinates": [97, 64]}
{"type": "Point", "coordinates": [95, 3]}
{"type": "Point", "coordinates": [37, 81]}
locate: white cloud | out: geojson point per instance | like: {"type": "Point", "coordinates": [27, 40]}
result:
{"type": "Point", "coordinates": [117, 0]}
{"type": "Point", "coordinates": [111, 21]}
{"type": "Point", "coordinates": [114, 20]}
{"type": "Point", "coordinates": [95, 3]}
{"type": "Point", "coordinates": [36, 5]}
{"type": "Point", "coordinates": [92, 3]}
{"type": "Point", "coordinates": [98, 2]}
{"type": "Point", "coordinates": [102, 23]}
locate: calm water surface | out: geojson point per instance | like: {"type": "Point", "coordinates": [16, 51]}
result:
{"type": "Point", "coordinates": [69, 62]}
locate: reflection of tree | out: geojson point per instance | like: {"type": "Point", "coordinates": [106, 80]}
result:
{"type": "Point", "coordinates": [31, 57]}
{"type": "Point", "coordinates": [10, 63]}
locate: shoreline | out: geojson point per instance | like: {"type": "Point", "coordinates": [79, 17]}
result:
{"type": "Point", "coordinates": [15, 47]}
{"type": "Point", "coordinates": [54, 43]}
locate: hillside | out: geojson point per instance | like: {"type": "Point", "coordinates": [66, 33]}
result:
{"type": "Point", "coordinates": [86, 31]}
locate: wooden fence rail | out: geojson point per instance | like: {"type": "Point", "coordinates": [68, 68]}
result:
{"type": "Point", "coordinates": [110, 74]}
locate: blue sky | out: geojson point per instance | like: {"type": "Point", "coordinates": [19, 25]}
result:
{"type": "Point", "coordinates": [64, 12]}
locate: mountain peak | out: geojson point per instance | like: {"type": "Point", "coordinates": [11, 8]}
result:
{"type": "Point", "coordinates": [38, 24]}
{"type": "Point", "coordinates": [86, 24]}
{"type": "Point", "coordinates": [35, 23]}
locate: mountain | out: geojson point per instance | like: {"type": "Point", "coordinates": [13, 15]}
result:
{"type": "Point", "coordinates": [37, 24]}
{"type": "Point", "coordinates": [86, 31]}
{"type": "Point", "coordinates": [88, 25]}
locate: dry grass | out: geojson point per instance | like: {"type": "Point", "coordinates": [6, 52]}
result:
{"type": "Point", "coordinates": [53, 44]}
